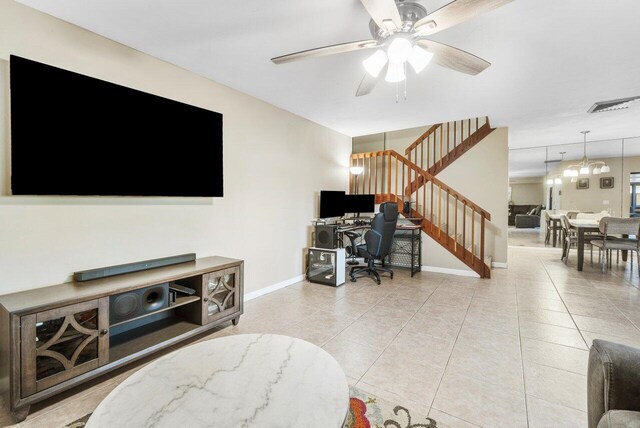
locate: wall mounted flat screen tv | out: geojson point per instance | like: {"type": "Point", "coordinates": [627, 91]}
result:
{"type": "Point", "coordinates": [76, 135]}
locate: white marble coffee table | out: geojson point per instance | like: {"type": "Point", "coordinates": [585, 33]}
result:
{"type": "Point", "coordinates": [249, 380]}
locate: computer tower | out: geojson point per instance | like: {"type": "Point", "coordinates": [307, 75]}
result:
{"type": "Point", "coordinates": [326, 236]}
{"type": "Point", "coordinates": [326, 266]}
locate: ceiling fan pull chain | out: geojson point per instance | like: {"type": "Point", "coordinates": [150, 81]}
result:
{"type": "Point", "coordinates": [405, 81]}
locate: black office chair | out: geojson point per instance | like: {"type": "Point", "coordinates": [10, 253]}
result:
{"type": "Point", "coordinates": [378, 242]}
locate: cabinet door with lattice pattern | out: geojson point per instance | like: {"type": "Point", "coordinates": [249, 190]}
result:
{"type": "Point", "coordinates": [222, 294]}
{"type": "Point", "coordinates": [63, 343]}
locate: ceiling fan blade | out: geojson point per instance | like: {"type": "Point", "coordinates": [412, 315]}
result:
{"type": "Point", "coordinates": [326, 50]}
{"type": "Point", "coordinates": [368, 82]}
{"type": "Point", "coordinates": [383, 10]}
{"type": "Point", "coordinates": [454, 58]}
{"type": "Point", "coordinates": [454, 13]}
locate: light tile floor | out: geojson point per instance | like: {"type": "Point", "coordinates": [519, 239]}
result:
{"type": "Point", "coordinates": [506, 352]}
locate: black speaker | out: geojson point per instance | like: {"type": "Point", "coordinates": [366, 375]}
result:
{"type": "Point", "coordinates": [132, 304]}
{"type": "Point", "coordinates": [327, 236]}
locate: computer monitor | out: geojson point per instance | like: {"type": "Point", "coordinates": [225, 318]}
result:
{"type": "Point", "coordinates": [331, 203]}
{"type": "Point", "coordinates": [359, 203]}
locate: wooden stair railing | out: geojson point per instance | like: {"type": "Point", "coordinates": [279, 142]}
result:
{"type": "Point", "coordinates": [448, 217]}
{"type": "Point", "coordinates": [443, 143]}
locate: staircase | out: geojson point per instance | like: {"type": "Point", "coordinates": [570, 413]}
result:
{"type": "Point", "coordinates": [448, 217]}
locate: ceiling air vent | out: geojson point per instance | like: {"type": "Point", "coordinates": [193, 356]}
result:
{"type": "Point", "coordinates": [612, 105]}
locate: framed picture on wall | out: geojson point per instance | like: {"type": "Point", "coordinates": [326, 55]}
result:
{"type": "Point", "coordinates": [606, 182]}
{"type": "Point", "coordinates": [582, 183]}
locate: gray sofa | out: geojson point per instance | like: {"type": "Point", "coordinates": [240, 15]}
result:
{"type": "Point", "coordinates": [613, 392]}
{"type": "Point", "coordinates": [530, 220]}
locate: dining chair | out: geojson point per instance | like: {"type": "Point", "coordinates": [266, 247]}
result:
{"type": "Point", "coordinates": [611, 226]}
{"type": "Point", "coordinates": [569, 238]}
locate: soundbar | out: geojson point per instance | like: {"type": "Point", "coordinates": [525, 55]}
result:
{"type": "Point", "coordinates": [87, 275]}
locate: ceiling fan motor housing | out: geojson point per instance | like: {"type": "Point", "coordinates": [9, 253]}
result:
{"type": "Point", "coordinates": [410, 13]}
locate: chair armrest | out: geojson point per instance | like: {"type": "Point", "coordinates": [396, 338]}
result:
{"type": "Point", "coordinates": [613, 379]}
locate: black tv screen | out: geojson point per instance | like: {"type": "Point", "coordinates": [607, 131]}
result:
{"type": "Point", "coordinates": [76, 135]}
{"type": "Point", "coordinates": [360, 203]}
{"type": "Point", "coordinates": [331, 203]}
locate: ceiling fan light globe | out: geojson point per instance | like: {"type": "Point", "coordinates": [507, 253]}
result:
{"type": "Point", "coordinates": [584, 170]}
{"type": "Point", "coordinates": [566, 173]}
{"type": "Point", "coordinates": [375, 63]}
{"type": "Point", "coordinates": [399, 50]}
{"type": "Point", "coordinates": [597, 170]}
{"type": "Point", "coordinates": [419, 58]}
{"type": "Point", "coordinates": [395, 73]}
{"type": "Point", "coordinates": [605, 168]}
{"type": "Point", "coordinates": [558, 180]}
{"type": "Point", "coordinates": [550, 181]}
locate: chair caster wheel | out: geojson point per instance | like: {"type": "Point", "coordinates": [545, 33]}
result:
{"type": "Point", "coordinates": [391, 276]}
{"type": "Point", "coordinates": [378, 282]}
{"type": "Point", "coordinates": [353, 280]}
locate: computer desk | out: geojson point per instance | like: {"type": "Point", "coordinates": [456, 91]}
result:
{"type": "Point", "coordinates": [409, 227]}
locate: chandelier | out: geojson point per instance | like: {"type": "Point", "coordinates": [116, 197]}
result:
{"type": "Point", "coordinates": [585, 166]}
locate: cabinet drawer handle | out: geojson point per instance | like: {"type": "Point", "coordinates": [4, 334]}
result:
{"type": "Point", "coordinates": [103, 332]}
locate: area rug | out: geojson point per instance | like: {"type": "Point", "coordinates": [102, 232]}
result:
{"type": "Point", "coordinates": [365, 411]}
{"type": "Point", "coordinates": [368, 411]}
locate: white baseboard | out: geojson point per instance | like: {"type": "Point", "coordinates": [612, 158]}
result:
{"type": "Point", "coordinates": [272, 288]}
{"type": "Point", "coordinates": [458, 272]}
{"type": "Point", "coordinates": [498, 265]}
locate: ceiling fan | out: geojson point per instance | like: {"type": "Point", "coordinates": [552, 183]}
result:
{"type": "Point", "coordinates": [400, 30]}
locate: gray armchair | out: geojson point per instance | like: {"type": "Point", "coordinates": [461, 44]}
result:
{"type": "Point", "coordinates": [613, 392]}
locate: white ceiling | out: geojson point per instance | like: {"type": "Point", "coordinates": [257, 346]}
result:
{"type": "Point", "coordinates": [551, 61]}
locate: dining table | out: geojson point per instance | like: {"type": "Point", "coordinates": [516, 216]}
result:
{"type": "Point", "coordinates": [583, 226]}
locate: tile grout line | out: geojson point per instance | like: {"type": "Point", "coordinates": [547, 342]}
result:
{"type": "Point", "coordinates": [452, 348]}
{"type": "Point", "coordinates": [394, 338]}
{"type": "Point", "coordinates": [524, 380]}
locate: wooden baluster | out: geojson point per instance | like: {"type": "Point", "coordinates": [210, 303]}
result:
{"type": "Point", "coordinates": [477, 121]}
{"type": "Point", "coordinates": [439, 211]}
{"type": "Point", "coordinates": [435, 159]}
{"type": "Point", "coordinates": [424, 200]}
{"type": "Point", "coordinates": [448, 123]}
{"type": "Point", "coordinates": [388, 189]}
{"type": "Point", "coordinates": [464, 227]}
{"type": "Point", "coordinates": [447, 221]}
{"type": "Point", "coordinates": [375, 173]}
{"type": "Point", "coordinates": [455, 223]}
{"type": "Point", "coordinates": [441, 155]}
{"type": "Point", "coordinates": [370, 175]}
{"type": "Point", "coordinates": [432, 193]}
{"type": "Point", "coordinates": [455, 126]}
{"type": "Point", "coordinates": [428, 153]}
{"type": "Point", "coordinates": [473, 233]}
{"type": "Point", "coordinates": [422, 154]}
{"type": "Point", "coordinates": [396, 192]}
{"type": "Point", "coordinates": [482, 242]}
{"type": "Point", "coordinates": [351, 178]}
{"type": "Point", "coordinates": [403, 188]}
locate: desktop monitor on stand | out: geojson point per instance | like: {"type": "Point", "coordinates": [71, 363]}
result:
{"type": "Point", "coordinates": [332, 203]}
{"type": "Point", "coordinates": [359, 204]}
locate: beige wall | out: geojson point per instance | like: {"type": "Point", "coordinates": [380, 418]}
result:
{"type": "Point", "coordinates": [275, 163]}
{"type": "Point", "coordinates": [616, 200]}
{"type": "Point", "coordinates": [481, 174]}
{"type": "Point", "coordinates": [527, 191]}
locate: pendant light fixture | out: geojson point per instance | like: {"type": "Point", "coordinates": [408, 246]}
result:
{"type": "Point", "coordinates": [584, 167]}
